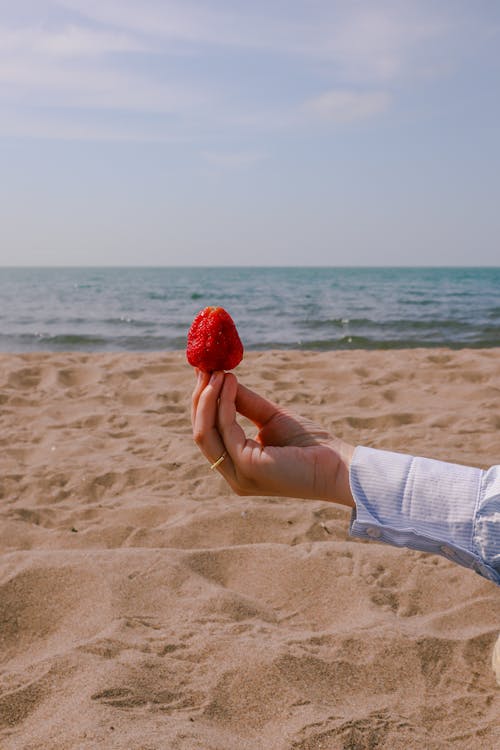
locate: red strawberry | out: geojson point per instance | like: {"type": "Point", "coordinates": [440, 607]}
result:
{"type": "Point", "coordinates": [213, 342]}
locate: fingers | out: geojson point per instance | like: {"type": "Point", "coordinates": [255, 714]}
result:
{"type": "Point", "coordinates": [201, 382]}
{"type": "Point", "coordinates": [205, 430]}
{"type": "Point", "coordinates": [205, 409]}
{"type": "Point", "coordinates": [215, 403]}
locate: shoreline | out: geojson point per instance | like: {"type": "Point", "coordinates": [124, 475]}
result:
{"type": "Point", "coordinates": [264, 350]}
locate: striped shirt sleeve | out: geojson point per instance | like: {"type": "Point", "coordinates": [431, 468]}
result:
{"type": "Point", "coordinates": [428, 505]}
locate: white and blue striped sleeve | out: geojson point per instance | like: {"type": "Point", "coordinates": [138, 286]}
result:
{"type": "Point", "coordinates": [428, 505]}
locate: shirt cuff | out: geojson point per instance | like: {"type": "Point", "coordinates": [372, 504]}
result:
{"type": "Point", "coordinates": [418, 503]}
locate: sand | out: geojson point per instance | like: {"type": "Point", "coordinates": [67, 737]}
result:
{"type": "Point", "coordinates": [145, 607]}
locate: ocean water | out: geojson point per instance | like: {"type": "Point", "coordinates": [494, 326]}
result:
{"type": "Point", "coordinates": [150, 309]}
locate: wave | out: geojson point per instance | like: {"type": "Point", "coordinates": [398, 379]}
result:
{"type": "Point", "coordinates": [126, 321]}
{"type": "Point", "coordinates": [82, 342]}
{"type": "Point", "coordinates": [395, 325]}
{"type": "Point", "coordinates": [361, 342]}
{"type": "Point", "coordinates": [317, 309]}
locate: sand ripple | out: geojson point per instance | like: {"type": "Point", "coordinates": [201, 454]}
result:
{"type": "Point", "coordinates": [142, 605]}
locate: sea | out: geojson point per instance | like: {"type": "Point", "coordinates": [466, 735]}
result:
{"type": "Point", "coordinates": [151, 309]}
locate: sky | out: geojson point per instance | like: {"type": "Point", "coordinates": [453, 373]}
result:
{"type": "Point", "coordinates": [313, 132]}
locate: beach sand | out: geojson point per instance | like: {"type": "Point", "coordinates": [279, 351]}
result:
{"type": "Point", "coordinates": [145, 607]}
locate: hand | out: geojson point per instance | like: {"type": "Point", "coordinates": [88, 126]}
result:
{"type": "Point", "coordinates": [290, 456]}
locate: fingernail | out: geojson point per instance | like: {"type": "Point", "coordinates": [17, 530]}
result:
{"type": "Point", "coordinates": [214, 376]}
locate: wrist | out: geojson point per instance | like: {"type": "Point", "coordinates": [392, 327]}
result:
{"type": "Point", "coordinates": [339, 487]}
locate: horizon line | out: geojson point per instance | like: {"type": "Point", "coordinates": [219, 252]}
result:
{"type": "Point", "coordinates": [229, 265]}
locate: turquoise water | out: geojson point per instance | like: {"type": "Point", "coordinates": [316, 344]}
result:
{"type": "Point", "coordinates": [146, 309]}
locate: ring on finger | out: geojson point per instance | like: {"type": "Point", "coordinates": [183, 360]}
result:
{"type": "Point", "coordinates": [219, 461]}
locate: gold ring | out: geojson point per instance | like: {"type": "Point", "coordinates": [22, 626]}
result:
{"type": "Point", "coordinates": [219, 460]}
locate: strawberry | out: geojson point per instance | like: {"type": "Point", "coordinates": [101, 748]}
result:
{"type": "Point", "coordinates": [213, 342]}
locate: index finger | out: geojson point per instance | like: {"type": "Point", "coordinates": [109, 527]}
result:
{"type": "Point", "coordinates": [203, 378]}
{"type": "Point", "coordinates": [254, 407]}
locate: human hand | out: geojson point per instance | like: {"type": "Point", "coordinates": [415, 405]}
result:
{"type": "Point", "coordinates": [290, 455]}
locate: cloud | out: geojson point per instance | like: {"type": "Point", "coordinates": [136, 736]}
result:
{"type": "Point", "coordinates": [26, 83]}
{"type": "Point", "coordinates": [70, 127]}
{"type": "Point", "coordinates": [233, 159]}
{"type": "Point", "coordinates": [123, 56]}
{"type": "Point", "coordinates": [73, 68]}
{"type": "Point", "coordinates": [70, 41]}
{"type": "Point", "coordinates": [345, 106]}
{"type": "Point", "coordinates": [217, 23]}
{"type": "Point", "coordinates": [362, 39]}
{"type": "Point", "coordinates": [381, 43]}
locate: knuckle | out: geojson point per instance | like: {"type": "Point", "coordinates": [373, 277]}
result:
{"type": "Point", "coordinates": [198, 436]}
